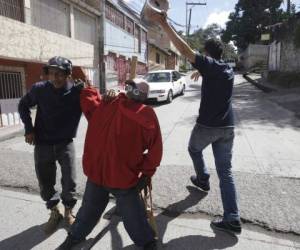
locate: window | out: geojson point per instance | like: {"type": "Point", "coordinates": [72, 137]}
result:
{"type": "Point", "coordinates": [137, 34]}
{"type": "Point", "coordinates": [10, 85]}
{"type": "Point", "coordinates": [158, 58]}
{"type": "Point", "coordinates": [13, 9]}
{"type": "Point", "coordinates": [51, 15]}
{"type": "Point", "coordinates": [158, 77]}
{"type": "Point", "coordinates": [85, 27]}
{"type": "Point", "coordinates": [144, 36]}
{"type": "Point", "coordinates": [129, 25]}
{"type": "Point", "coordinates": [114, 15]}
{"type": "Point", "coordinates": [174, 76]}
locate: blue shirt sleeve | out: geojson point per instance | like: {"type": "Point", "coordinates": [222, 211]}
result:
{"type": "Point", "coordinates": [28, 101]}
{"type": "Point", "coordinates": [203, 64]}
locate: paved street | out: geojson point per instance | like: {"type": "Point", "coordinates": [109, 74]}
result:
{"type": "Point", "coordinates": [266, 160]}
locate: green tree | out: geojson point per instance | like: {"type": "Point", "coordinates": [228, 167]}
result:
{"type": "Point", "coordinates": [198, 38]}
{"type": "Point", "coordinates": [247, 22]}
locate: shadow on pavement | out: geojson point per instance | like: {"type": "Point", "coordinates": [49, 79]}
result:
{"type": "Point", "coordinates": [25, 240]}
{"type": "Point", "coordinates": [220, 241]}
{"type": "Point", "coordinates": [174, 210]}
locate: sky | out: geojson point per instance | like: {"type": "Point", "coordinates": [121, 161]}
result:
{"type": "Point", "coordinates": [215, 11]}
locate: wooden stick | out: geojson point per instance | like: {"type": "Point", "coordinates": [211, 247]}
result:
{"type": "Point", "coordinates": [133, 67]}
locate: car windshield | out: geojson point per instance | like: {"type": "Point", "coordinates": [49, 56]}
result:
{"type": "Point", "coordinates": [158, 77]}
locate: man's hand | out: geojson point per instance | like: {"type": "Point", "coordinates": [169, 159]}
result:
{"type": "Point", "coordinates": [143, 182]}
{"type": "Point", "coordinates": [195, 76]}
{"type": "Point", "coordinates": [30, 139]}
{"type": "Point", "coordinates": [109, 96]}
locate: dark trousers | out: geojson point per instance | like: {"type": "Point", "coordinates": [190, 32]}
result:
{"type": "Point", "coordinates": [129, 205]}
{"type": "Point", "coordinates": [45, 157]}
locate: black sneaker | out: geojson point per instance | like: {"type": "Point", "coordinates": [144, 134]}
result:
{"type": "Point", "coordinates": [232, 227]}
{"type": "Point", "coordinates": [69, 243]}
{"type": "Point", "coordinates": [151, 246]}
{"type": "Point", "coordinates": [202, 184]}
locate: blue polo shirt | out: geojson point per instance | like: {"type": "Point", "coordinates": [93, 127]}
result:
{"type": "Point", "coordinates": [58, 112]}
{"type": "Point", "coordinates": [216, 92]}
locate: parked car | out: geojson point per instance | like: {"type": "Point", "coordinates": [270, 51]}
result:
{"type": "Point", "coordinates": [165, 84]}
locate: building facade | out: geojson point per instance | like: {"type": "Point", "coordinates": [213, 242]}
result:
{"type": "Point", "coordinates": [32, 31]}
{"type": "Point", "coordinates": [162, 52]}
{"type": "Point", "coordinates": [124, 37]}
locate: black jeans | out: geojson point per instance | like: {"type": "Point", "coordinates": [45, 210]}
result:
{"type": "Point", "coordinates": [45, 157]}
{"type": "Point", "coordinates": [130, 206]}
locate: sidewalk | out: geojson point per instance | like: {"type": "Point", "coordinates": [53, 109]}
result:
{"type": "Point", "coordinates": [185, 232]}
{"type": "Point", "coordinates": [9, 132]}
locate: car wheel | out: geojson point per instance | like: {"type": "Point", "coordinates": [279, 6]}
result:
{"type": "Point", "coordinates": [170, 96]}
{"type": "Point", "coordinates": [183, 90]}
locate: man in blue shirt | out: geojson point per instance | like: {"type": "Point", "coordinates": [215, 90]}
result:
{"type": "Point", "coordinates": [57, 118]}
{"type": "Point", "coordinates": [215, 124]}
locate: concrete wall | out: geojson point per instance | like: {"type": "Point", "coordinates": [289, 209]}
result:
{"type": "Point", "coordinates": [25, 42]}
{"type": "Point", "coordinates": [122, 43]}
{"type": "Point", "coordinates": [254, 54]}
{"type": "Point", "coordinates": [290, 57]}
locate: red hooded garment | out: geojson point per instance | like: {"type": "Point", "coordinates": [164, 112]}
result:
{"type": "Point", "coordinates": [123, 140]}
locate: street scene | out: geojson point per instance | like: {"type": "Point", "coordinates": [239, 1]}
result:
{"type": "Point", "coordinates": [147, 71]}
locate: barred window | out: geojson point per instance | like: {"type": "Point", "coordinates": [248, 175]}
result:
{"type": "Point", "coordinates": [129, 25]}
{"type": "Point", "coordinates": [13, 9]}
{"type": "Point", "coordinates": [10, 85]}
{"type": "Point", "coordinates": [114, 15]}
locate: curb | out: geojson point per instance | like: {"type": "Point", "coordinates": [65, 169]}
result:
{"type": "Point", "coordinates": [258, 85]}
{"type": "Point", "coordinates": [11, 135]}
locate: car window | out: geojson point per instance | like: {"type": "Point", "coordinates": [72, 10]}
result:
{"type": "Point", "coordinates": [178, 75]}
{"type": "Point", "coordinates": [174, 76]}
{"type": "Point", "coordinates": [158, 77]}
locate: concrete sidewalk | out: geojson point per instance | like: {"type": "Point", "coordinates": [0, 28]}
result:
{"type": "Point", "coordinates": [10, 132]}
{"type": "Point", "coordinates": [23, 217]}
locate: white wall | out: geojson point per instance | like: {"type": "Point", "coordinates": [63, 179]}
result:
{"type": "Point", "coordinates": [255, 53]}
{"type": "Point", "coordinates": [121, 42]}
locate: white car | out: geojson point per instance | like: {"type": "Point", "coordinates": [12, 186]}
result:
{"type": "Point", "coordinates": [164, 85]}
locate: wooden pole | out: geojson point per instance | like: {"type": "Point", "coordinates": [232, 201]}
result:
{"type": "Point", "coordinates": [133, 66]}
{"type": "Point", "coordinates": [102, 70]}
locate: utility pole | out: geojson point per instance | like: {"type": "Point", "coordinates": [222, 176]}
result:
{"type": "Point", "coordinates": [102, 72]}
{"type": "Point", "coordinates": [188, 22]}
{"type": "Point", "coordinates": [288, 6]}
{"type": "Point", "coordinates": [188, 19]}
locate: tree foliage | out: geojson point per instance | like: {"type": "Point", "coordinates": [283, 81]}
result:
{"type": "Point", "coordinates": [247, 22]}
{"type": "Point", "coordinates": [198, 38]}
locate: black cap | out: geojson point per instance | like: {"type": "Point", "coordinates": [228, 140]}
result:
{"type": "Point", "coordinates": [59, 63]}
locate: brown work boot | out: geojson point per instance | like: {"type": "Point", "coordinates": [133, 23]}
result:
{"type": "Point", "coordinates": [54, 220]}
{"type": "Point", "coordinates": [69, 217]}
